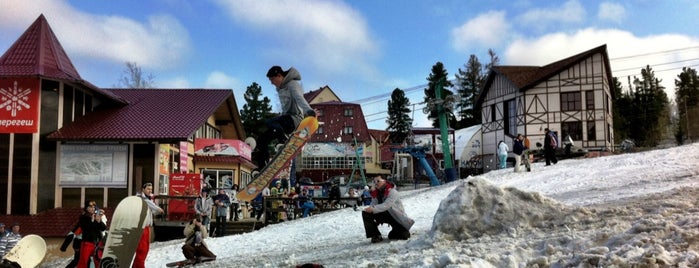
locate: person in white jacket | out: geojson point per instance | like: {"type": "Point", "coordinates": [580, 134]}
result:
{"type": "Point", "coordinates": [502, 154]}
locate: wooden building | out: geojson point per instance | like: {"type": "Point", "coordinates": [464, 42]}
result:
{"type": "Point", "coordinates": [571, 96]}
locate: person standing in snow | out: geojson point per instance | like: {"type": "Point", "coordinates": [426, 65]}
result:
{"type": "Point", "coordinates": [502, 154]}
{"type": "Point", "coordinates": [518, 149]}
{"type": "Point", "coordinates": [550, 145]}
{"type": "Point", "coordinates": [144, 244]}
{"type": "Point", "coordinates": [386, 207]}
{"type": "Point", "coordinates": [294, 109]}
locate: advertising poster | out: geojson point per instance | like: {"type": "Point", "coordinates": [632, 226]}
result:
{"type": "Point", "coordinates": [19, 105]}
{"type": "Point", "coordinates": [183, 185]}
{"type": "Point", "coordinates": [222, 147]}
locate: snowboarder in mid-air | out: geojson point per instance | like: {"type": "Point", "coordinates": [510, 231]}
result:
{"type": "Point", "coordinates": [294, 109]}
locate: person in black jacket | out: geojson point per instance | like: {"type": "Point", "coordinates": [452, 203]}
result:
{"type": "Point", "coordinates": [75, 236]}
{"type": "Point", "coordinates": [92, 225]}
{"type": "Point", "coordinates": [550, 145]}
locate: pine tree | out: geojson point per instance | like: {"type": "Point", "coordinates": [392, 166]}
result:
{"type": "Point", "coordinates": [399, 121]}
{"type": "Point", "coordinates": [468, 84]}
{"type": "Point", "coordinates": [687, 98]}
{"type": "Point", "coordinates": [650, 106]}
{"type": "Point", "coordinates": [255, 111]}
{"type": "Point", "coordinates": [438, 74]}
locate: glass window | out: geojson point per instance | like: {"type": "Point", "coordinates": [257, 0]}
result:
{"type": "Point", "coordinates": [591, 131]}
{"type": "Point", "coordinates": [347, 130]}
{"type": "Point", "coordinates": [589, 100]}
{"type": "Point", "coordinates": [511, 117]}
{"type": "Point", "coordinates": [348, 112]}
{"type": "Point", "coordinates": [574, 129]}
{"type": "Point", "coordinates": [570, 101]}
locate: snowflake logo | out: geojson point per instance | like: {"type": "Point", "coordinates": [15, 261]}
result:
{"type": "Point", "coordinates": [14, 99]}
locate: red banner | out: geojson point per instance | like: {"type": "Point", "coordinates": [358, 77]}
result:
{"type": "Point", "coordinates": [19, 105]}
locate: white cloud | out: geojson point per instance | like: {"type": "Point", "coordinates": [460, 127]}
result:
{"type": "Point", "coordinates": [177, 82]}
{"type": "Point", "coordinates": [611, 12]}
{"type": "Point", "coordinates": [628, 53]}
{"type": "Point", "coordinates": [160, 42]}
{"type": "Point", "coordinates": [570, 12]}
{"type": "Point", "coordinates": [486, 30]}
{"type": "Point", "coordinates": [218, 79]}
{"type": "Point", "coordinates": [330, 34]}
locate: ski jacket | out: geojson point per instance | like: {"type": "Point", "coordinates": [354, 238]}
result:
{"type": "Point", "coordinates": [152, 207]}
{"type": "Point", "coordinates": [192, 233]}
{"type": "Point", "coordinates": [8, 241]}
{"type": "Point", "coordinates": [91, 230]}
{"type": "Point", "coordinates": [222, 204]}
{"type": "Point", "coordinates": [203, 205]}
{"type": "Point", "coordinates": [517, 147]}
{"type": "Point", "coordinates": [291, 97]}
{"type": "Point", "coordinates": [388, 200]}
{"type": "Point", "coordinates": [503, 148]}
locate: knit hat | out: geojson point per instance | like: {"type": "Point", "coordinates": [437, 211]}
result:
{"type": "Point", "coordinates": [275, 70]}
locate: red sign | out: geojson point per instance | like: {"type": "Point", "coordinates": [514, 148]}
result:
{"type": "Point", "coordinates": [19, 105]}
{"type": "Point", "coordinates": [222, 147]}
{"type": "Point", "coordinates": [183, 185]}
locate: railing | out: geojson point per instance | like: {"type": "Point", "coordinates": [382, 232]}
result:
{"type": "Point", "coordinates": [278, 209]}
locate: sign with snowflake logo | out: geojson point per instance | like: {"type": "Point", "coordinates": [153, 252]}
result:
{"type": "Point", "coordinates": [19, 105]}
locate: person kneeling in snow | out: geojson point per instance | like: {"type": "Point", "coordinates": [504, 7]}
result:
{"type": "Point", "coordinates": [194, 248]}
{"type": "Point", "coordinates": [385, 207]}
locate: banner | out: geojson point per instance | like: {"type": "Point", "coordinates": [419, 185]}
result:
{"type": "Point", "coordinates": [19, 105]}
{"type": "Point", "coordinates": [182, 185]}
{"type": "Point", "coordinates": [93, 165]}
{"type": "Point", "coordinates": [222, 147]}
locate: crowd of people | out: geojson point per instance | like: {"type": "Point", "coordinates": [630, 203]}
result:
{"type": "Point", "coordinates": [522, 150]}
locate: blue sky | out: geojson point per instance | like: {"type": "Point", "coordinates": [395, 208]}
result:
{"type": "Point", "coordinates": [361, 49]}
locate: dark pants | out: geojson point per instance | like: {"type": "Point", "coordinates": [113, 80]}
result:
{"type": "Point", "coordinates": [277, 128]}
{"type": "Point", "coordinates": [220, 225]}
{"type": "Point", "coordinates": [550, 155]}
{"type": "Point", "coordinates": [191, 252]}
{"type": "Point", "coordinates": [372, 221]}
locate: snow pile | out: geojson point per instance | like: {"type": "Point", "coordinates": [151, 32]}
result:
{"type": "Point", "coordinates": [476, 208]}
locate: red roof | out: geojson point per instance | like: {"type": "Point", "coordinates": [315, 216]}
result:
{"type": "Point", "coordinates": [38, 53]}
{"type": "Point", "coordinates": [526, 77]}
{"type": "Point", "coordinates": [151, 115]}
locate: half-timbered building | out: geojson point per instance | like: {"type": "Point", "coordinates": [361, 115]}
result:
{"type": "Point", "coordinates": [570, 97]}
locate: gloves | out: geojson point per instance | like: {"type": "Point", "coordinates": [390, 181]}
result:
{"type": "Point", "coordinates": [309, 113]}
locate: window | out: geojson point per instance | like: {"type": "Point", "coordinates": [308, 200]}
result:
{"type": "Point", "coordinates": [347, 130]}
{"type": "Point", "coordinates": [492, 113]}
{"type": "Point", "coordinates": [570, 101]}
{"type": "Point", "coordinates": [348, 112]}
{"type": "Point", "coordinates": [320, 130]}
{"type": "Point", "coordinates": [591, 132]}
{"type": "Point", "coordinates": [320, 113]}
{"type": "Point", "coordinates": [511, 117]}
{"type": "Point", "coordinates": [321, 162]}
{"type": "Point", "coordinates": [589, 100]}
{"type": "Point", "coordinates": [218, 178]}
{"type": "Point", "coordinates": [574, 129]}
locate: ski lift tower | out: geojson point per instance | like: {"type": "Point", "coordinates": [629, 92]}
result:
{"type": "Point", "coordinates": [441, 104]}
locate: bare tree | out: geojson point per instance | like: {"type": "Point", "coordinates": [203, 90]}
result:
{"type": "Point", "coordinates": [133, 77]}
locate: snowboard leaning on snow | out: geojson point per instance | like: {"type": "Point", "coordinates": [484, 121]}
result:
{"type": "Point", "coordinates": [125, 232]}
{"type": "Point", "coordinates": [29, 252]}
{"type": "Point", "coordinates": [184, 263]}
{"type": "Point", "coordinates": [301, 135]}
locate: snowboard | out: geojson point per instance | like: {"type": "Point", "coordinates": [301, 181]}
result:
{"type": "Point", "coordinates": [125, 231]}
{"type": "Point", "coordinates": [291, 148]}
{"type": "Point", "coordinates": [184, 263]}
{"type": "Point", "coordinates": [29, 252]}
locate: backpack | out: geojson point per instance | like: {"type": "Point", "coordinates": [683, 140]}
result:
{"type": "Point", "coordinates": [554, 143]}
